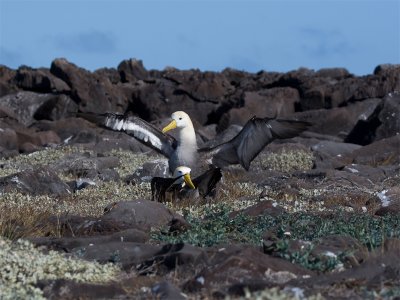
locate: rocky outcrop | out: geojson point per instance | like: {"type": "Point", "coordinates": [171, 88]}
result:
{"type": "Point", "coordinates": [319, 204]}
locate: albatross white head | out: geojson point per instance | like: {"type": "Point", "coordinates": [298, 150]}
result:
{"type": "Point", "coordinates": [180, 120]}
{"type": "Point", "coordinates": [182, 175]}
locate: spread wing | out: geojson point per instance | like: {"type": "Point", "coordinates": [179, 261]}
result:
{"type": "Point", "coordinates": [207, 181]}
{"type": "Point", "coordinates": [252, 139]}
{"type": "Point", "coordinates": [143, 131]}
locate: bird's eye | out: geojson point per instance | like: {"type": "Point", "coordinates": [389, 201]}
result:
{"type": "Point", "coordinates": [180, 118]}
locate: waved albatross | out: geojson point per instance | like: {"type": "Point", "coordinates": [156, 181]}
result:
{"type": "Point", "coordinates": [183, 151]}
{"type": "Point", "coordinates": [160, 185]}
{"type": "Point", "coordinates": [205, 184]}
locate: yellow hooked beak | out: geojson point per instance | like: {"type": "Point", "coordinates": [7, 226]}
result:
{"type": "Point", "coordinates": [188, 181]}
{"type": "Point", "coordinates": [170, 126]}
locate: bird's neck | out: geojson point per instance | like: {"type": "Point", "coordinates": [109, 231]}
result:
{"type": "Point", "coordinates": [187, 138]}
{"type": "Point", "coordinates": [179, 180]}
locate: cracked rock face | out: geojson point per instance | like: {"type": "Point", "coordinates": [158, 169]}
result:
{"type": "Point", "coordinates": [317, 210]}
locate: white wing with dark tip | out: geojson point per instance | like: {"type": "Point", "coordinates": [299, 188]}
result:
{"type": "Point", "coordinates": [252, 139]}
{"type": "Point", "coordinates": [143, 131]}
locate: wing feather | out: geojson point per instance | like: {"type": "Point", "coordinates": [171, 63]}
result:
{"type": "Point", "coordinates": [206, 182]}
{"type": "Point", "coordinates": [143, 131]}
{"type": "Point", "coordinates": [251, 140]}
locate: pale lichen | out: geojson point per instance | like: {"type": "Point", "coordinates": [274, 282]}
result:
{"type": "Point", "coordinates": [22, 266]}
{"type": "Point", "coordinates": [130, 161]}
{"type": "Point", "coordinates": [90, 201]}
{"type": "Point", "coordinates": [287, 160]}
{"type": "Point", "coordinates": [45, 157]}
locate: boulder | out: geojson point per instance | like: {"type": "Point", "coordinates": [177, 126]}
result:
{"type": "Point", "coordinates": [127, 254]}
{"type": "Point", "coordinates": [7, 86]}
{"type": "Point", "coordinates": [39, 80]}
{"type": "Point", "coordinates": [86, 165]}
{"type": "Point", "coordinates": [132, 70]}
{"type": "Point", "coordinates": [8, 139]}
{"type": "Point", "coordinates": [389, 201]}
{"type": "Point", "coordinates": [70, 130]}
{"type": "Point", "coordinates": [25, 105]}
{"type": "Point", "coordinates": [389, 117]}
{"type": "Point", "coordinates": [173, 256]}
{"type": "Point", "coordinates": [167, 291]}
{"type": "Point", "coordinates": [141, 214]}
{"type": "Point", "coordinates": [274, 102]}
{"type": "Point", "coordinates": [266, 207]}
{"type": "Point", "coordinates": [383, 152]}
{"type": "Point", "coordinates": [67, 244]}
{"type": "Point", "coordinates": [68, 289]}
{"type": "Point", "coordinates": [93, 93]}
{"type": "Point", "coordinates": [228, 268]}
{"type": "Point", "coordinates": [341, 121]}
{"type": "Point", "coordinates": [40, 181]}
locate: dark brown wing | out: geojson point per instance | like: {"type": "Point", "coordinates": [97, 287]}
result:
{"type": "Point", "coordinates": [159, 186]}
{"type": "Point", "coordinates": [251, 140]}
{"type": "Point", "coordinates": [207, 181]}
{"type": "Point", "coordinates": [143, 131]}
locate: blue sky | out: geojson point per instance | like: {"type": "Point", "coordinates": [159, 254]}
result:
{"type": "Point", "coordinates": [209, 35]}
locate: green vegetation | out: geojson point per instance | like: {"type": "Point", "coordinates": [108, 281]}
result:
{"type": "Point", "coordinates": [306, 222]}
{"type": "Point", "coordinates": [217, 227]}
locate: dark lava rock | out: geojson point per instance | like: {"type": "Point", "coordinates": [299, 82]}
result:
{"type": "Point", "coordinates": [389, 201]}
{"type": "Point", "coordinates": [259, 209]}
{"type": "Point", "coordinates": [92, 92]}
{"type": "Point", "coordinates": [333, 148]}
{"type": "Point", "coordinates": [339, 121]}
{"type": "Point", "coordinates": [39, 80]}
{"type": "Point", "coordinates": [380, 269]}
{"type": "Point", "coordinates": [127, 254]}
{"type": "Point", "coordinates": [157, 168]}
{"type": "Point", "coordinates": [7, 86]}
{"type": "Point", "coordinates": [197, 93]}
{"type": "Point", "coordinates": [172, 256]}
{"type": "Point", "coordinates": [132, 70]}
{"type": "Point", "coordinates": [228, 268]}
{"type": "Point", "coordinates": [85, 165]}
{"type": "Point", "coordinates": [389, 117]}
{"type": "Point", "coordinates": [68, 289]}
{"type": "Point", "coordinates": [56, 108]}
{"type": "Point", "coordinates": [70, 130]}
{"type": "Point", "coordinates": [380, 153]}
{"type": "Point", "coordinates": [8, 139]}
{"type": "Point", "coordinates": [25, 105]}
{"type": "Point", "coordinates": [81, 226]}
{"type": "Point", "coordinates": [38, 181]}
{"type": "Point", "coordinates": [274, 102]}
{"type": "Point", "coordinates": [20, 140]}
{"type": "Point", "coordinates": [167, 291]}
{"type": "Point", "coordinates": [324, 91]}
{"type": "Point", "coordinates": [68, 243]}
{"type": "Point", "coordinates": [141, 214]}
{"type": "Point", "coordinates": [333, 246]}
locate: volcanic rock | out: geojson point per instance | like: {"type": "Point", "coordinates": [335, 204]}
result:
{"type": "Point", "coordinates": [40, 181]}
{"type": "Point", "coordinates": [141, 214]}
{"type": "Point", "coordinates": [39, 80]}
{"type": "Point", "coordinates": [92, 92]}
